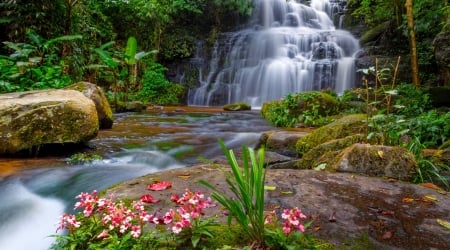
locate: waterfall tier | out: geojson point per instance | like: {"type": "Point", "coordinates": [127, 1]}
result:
{"type": "Point", "coordinates": [287, 47]}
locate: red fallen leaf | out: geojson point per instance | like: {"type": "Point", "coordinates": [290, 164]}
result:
{"type": "Point", "coordinates": [158, 186]}
{"type": "Point", "coordinates": [149, 199]}
{"type": "Point", "coordinates": [388, 213]}
{"type": "Point", "coordinates": [431, 186]}
{"type": "Point", "coordinates": [407, 200]}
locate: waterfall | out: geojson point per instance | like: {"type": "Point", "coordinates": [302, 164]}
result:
{"type": "Point", "coordinates": [286, 47]}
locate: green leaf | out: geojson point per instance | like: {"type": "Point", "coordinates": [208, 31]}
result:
{"type": "Point", "coordinates": [270, 188]}
{"type": "Point", "coordinates": [320, 167]}
{"type": "Point", "coordinates": [130, 50]}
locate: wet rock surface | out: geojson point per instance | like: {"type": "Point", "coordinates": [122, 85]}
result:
{"type": "Point", "coordinates": [343, 206]}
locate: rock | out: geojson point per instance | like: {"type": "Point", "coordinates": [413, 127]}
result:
{"type": "Point", "coordinates": [282, 142]}
{"type": "Point", "coordinates": [95, 93]}
{"type": "Point", "coordinates": [132, 106]}
{"type": "Point", "coordinates": [326, 152]}
{"type": "Point", "coordinates": [239, 106]}
{"type": "Point", "coordinates": [376, 160]}
{"type": "Point", "coordinates": [442, 54]}
{"type": "Point", "coordinates": [347, 125]}
{"type": "Point", "coordinates": [32, 119]}
{"type": "Point", "coordinates": [359, 205]}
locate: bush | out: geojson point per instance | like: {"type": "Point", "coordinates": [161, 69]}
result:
{"type": "Point", "coordinates": [156, 89]}
{"type": "Point", "coordinates": [309, 108]}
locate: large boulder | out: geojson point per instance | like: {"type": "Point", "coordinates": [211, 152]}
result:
{"type": "Point", "coordinates": [376, 160]}
{"type": "Point", "coordinates": [29, 120]}
{"type": "Point", "coordinates": [95, 93]}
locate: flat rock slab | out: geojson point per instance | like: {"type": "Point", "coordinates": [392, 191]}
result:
{"type": "Point", "coordinates": [343, 206]}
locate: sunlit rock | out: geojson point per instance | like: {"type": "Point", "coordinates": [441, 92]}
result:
{"type": "Point", "coordinates": [95, 93]}
{"type": "Point", "coordinates": [347, 125]}
{"type": "Point", "coordinates": [376, 160]}
{"type": "Point", "coordinates": [29, 120]}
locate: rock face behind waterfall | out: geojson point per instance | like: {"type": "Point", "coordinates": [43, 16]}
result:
{"type": "Point", "coordinates": [29, 120]}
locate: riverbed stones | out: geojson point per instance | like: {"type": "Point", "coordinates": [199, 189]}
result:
{"type": "Point", "coordinates": [96, 94]}
{"type": "Point", "coordinates": [29, 120]}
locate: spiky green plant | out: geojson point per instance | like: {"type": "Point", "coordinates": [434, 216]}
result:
{"type": "Point", "coordinates": [247, 185]}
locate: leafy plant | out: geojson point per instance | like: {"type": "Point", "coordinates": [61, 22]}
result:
{"type": "Point", "coordinates": [34, 65]}
{"type": "Point", "coordinates": [156, 89]}
{"type": "Point", "coordinates": [247, 185]}
{"type": "Point", "coordinates": [309, 108]}
{"type": "Point", "coordinates": [428, 171]}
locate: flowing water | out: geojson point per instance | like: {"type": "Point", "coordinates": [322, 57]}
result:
{"type": "Point", "coordinates": [35, 192]}
{"type": "Point", "coordinates": [286, 47]}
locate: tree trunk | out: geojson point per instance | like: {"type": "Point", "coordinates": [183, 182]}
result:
{"type": "Point", "coordinates": [412, 43]}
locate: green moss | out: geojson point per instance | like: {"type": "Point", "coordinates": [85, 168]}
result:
{"type": "Point", "coordinates": [325, 152]}
{"type": "Point", "coordinates": [347, 125]}
{"type": "Point", "coordinates": [238, 106]}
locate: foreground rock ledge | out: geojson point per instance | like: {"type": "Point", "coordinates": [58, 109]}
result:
{"type": "Point", "coordinates": [395, 215]}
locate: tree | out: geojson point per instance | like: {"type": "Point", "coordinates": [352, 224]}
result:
{"type": "Point", "coordinates": [412, 43]}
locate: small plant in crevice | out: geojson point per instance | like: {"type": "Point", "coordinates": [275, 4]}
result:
{"type": "Point", "coordinates": [427, 169]}
{"type": "Point", "coordinates": [83, 158]}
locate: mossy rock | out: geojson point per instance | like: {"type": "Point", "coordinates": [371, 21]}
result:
{"type": "Point", "coordinates": [324, 153]}
{"type": "Point", "coordinates": [32, 119]}
{"type": "Point", "coordinates": [346, 126]}
{"type": "Point", "coordinates": [377, 161]}
{"type": "Point", "coordinates": [96, 94]}
{"type": "Point", "coordinates": [238, 106]}
{"type": "Point", "coordinates": [265, 108]}
{"type": "Point", "coordinates": [372, 34]}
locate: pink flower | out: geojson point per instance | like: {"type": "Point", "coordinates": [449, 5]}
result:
{"type": "Point", "coordinates": [135, 231]}
{"type": "Point", "coordinates": [103, 234]}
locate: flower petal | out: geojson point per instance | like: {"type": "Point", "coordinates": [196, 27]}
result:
{"type": "Point", "coordinates": [158, 186]}
{"type": "Point", "coordinates": [147, 198]}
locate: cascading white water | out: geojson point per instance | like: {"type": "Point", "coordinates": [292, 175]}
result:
{"type": "Point", "coordinates": [287, 47]}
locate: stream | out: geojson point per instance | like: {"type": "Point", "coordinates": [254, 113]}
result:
{"type": "Point", "coordinates": [35, 192]}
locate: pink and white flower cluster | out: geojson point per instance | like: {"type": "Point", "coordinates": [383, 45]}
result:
{"type": "Point", "coordinates": [114, 215]}
{"type": "Point", "coordinates": [191, 206]}
{"type": "Point", "coordinates": [117, 217]}
{"type": "Point", "coordinates": [291, 220]}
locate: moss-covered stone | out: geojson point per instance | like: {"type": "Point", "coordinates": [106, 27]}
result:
{"type": "Point", "coordinates": [325, 152]}
{"type": "Point", "coordinates": [95, 93]}
{"type": "Point", "coordinates": [35, 118]}
{"type": "Point", "coordinates": [238, 106]}
{"type": "Point", "coordinates": [376, 160]}
{"type": "Point", "coordinates": [347, 125]}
